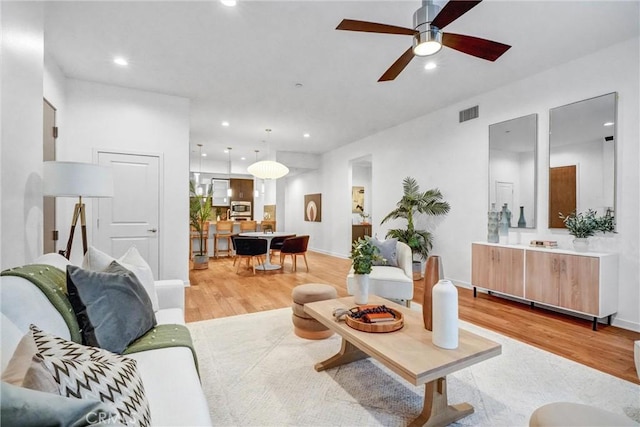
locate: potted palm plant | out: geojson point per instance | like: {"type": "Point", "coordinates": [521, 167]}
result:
{"type": "Point", "coordinates": [363, 254]}
{"type": "Point", "coordinates": [583, 225]}
{"type": "Point", "coordinates": [199, 213]}
{"type": "Point", "coordinates": [415, 202]}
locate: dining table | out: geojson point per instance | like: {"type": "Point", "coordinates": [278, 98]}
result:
{"type": "Point", "coordinates": [268, 236]}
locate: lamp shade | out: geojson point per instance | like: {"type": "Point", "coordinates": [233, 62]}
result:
{"type": "Point", "coordinates": [74, 179]}
{"type": "Point", "coordinates": [268, 169]}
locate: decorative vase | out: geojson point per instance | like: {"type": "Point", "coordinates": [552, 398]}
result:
{"type": "Point", "coordinates": [522, 223]}
{"type": "Point", "coordinates": [432, 275]}
{"type": "Point", "coordinates": [503, 227]}
{"type": "Point", "coordinates": [581, 244]}
{"type": "Point", "coordinates": [506, 212]}
{"type": "Point", "coordinates": [417, 267]}
{"type": "Point", "coordinates": [200, 262]}
{"type": "Point", "coordinates": [445, 315]}
{"type": "Point", "coordinates": [492, 225]}
{"type": "Point", "coordinates": [361, 295]}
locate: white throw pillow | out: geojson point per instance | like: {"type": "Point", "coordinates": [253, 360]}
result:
{"type": "Point", "coordinates": [96, 260]}
{"type": "Point", "coordinates": [53, 259]}
{"type": "Point", "coordinates": [73, 370]}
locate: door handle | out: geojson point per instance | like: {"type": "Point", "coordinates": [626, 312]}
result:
{"type": "Point", "coordinates": [153, 230]}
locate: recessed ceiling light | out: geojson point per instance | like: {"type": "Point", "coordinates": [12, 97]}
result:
{"type": "Point", "coordinates": [608, 124]}
{"type": "Point", "coordinates": [226, 151]}
{"type": "Point", "coordinates": [204, 154]}
{"type": "Point", "coordinates": [243, 158]}
{"type": "Point", "coordinates": [120, 61]}
{"type": "Point", "coordinates": [306, 135]}
{"type": "Point", "coordinates": [430, 65]}
{"type": "Point", "coordinates": [225, 123]}
{"type": "Point", "coordinates": [229, 3]}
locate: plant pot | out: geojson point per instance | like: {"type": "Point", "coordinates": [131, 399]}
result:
{"type": "Point", "coordinates": [581, 244]}
{"type": "Point", "coordinates": [361, 296]}
{"type": "Point", "coordinates": [418, 270]}
{"type": "Point", "coordinates": [200, 262]}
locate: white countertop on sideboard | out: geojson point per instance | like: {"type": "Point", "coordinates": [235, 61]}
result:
{"type": "Point", "coordinates": [553, 250]}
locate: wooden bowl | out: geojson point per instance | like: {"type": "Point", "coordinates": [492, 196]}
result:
{"type": "Point", "coordinates": [375, 327]}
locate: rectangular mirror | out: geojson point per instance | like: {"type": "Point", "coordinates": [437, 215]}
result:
{"type": "Point", "coordinates": [582, 157]}
{"type": "Point", "coordinates": [512, 168]}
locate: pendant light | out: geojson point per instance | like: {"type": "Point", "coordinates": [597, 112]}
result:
{"type": "Point", "coordinates": [256, 193]}
{"type": "Point", "coordinates": [268, 169]}
{"type": "Point", "coordinates": [229, 190]}
{"type": "Point", "coordinates": [196, 175]}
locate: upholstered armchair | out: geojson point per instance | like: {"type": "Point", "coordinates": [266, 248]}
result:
{"type": "Point", "coordinates": [394, 281]}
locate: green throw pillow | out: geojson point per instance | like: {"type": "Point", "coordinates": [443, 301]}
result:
{"type": "Point", "coordinates": [112, 307]}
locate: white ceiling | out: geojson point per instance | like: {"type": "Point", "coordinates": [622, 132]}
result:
{"type": "Point", "coordinates": [242, 64]}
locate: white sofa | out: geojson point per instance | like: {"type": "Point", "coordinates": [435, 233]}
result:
{"type": "Point", "coordinates": [394, 283]}
{"type": "Point", "coordinates": [169, 375]}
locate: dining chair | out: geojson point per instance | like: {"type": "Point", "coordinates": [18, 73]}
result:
{"type": "Point", "coordinates": [295, 246]}
{"type": "Point", "coordinates": [248, 226]}
{"type": "Point", "coordinates": [277, 242]}
{"type": "Point", "coordinates": [250, 248]}
{"type": "Point", "coordinates": [224, 230]}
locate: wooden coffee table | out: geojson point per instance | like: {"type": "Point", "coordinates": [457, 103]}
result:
{"type": "Point", "coordinates": [409, 353]}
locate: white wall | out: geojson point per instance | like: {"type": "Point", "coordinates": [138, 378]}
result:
{"type": "Point", "coordinates": [21, 112]}
{"type": "Point", "coordinates": [101, 117]}
{"type": "Point", "coordinates": [440, 152]}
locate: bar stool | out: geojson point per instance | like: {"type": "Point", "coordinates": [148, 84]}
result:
{"type": "Point", "coordinates": [224, 229]}
{"type": "Point", "coordinates": [248, 226]}
{"type": "Point", "coordinates": [267, 225]}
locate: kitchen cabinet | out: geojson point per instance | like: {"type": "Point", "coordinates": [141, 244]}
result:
{"type": "Point", "coordinates": [220, 192]}
{"type": "Point", "coordinates": [242, 190]}
{"type": "Point", "coordinates": [580, 282]}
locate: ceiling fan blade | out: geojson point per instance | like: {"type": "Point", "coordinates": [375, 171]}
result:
{"type": "Point", "coordinates": [397, 66]}
{"type": "Point", "coordinates": [481, 48]}
{"type": "Point", "coordinates": [453, 10]}
{"type": "Point", "coordinates": [373, 27]}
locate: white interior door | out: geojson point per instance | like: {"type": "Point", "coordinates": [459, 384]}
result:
{"type": "Point", "coordinates": [131, 217]}
{"type": "Point", "coordinates": [504, 194]}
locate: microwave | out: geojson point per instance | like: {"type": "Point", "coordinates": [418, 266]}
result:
{"type": "Point", "coordinates": [240, 209]}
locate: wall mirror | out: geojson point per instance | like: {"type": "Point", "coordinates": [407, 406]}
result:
{"type": "Point", "coordinates": [512, 168]}
{"type": "Point", "coordinates": [582, 159]}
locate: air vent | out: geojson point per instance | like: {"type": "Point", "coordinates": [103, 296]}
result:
{"type": "Point", "coordinates": [469, 113]}
{"type": "Point", "coordinates": [608, 138]}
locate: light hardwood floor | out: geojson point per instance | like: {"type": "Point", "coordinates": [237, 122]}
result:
{"type": "Point", "coordinates": [220, 292]}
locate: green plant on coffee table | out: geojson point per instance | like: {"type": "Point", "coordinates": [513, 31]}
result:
{"type": "Point", "coordinates": [363, 254]}
{"type": "Point", "coordinates": [586, 224]}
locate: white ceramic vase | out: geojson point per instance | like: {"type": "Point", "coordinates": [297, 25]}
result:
{"type": "Point", "coordinates": [361, 295]}
{"type": "Point", "coordinates": [581, 244]}
{"type": "Point", "coordinates": [445, 315]}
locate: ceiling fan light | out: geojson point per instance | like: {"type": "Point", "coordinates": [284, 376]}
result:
{"type": "Point", "coordinates": [428, 41]}
{"type": "Point", "coordinates": [268, 169]}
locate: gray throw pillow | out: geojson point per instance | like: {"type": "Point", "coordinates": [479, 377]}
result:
{"type": "Point", "coordinates": [387, 250]}
{"type": "Point", "coordinates": [112, 307]}
{"type": "Point", "coordinates": [30, 408]}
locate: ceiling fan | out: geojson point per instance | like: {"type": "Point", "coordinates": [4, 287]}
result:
{"type": "Point", "coordinates": [428, 38]}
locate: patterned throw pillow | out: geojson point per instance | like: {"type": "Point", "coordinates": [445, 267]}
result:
{"type": "Point", "coordinates": [387, 250]}
{"type": "Point", "coordinates": [90, 373]}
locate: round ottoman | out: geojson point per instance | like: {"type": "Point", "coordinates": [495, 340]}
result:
{"type": "Point", "coordinates": [564, 414]}
{"type": "Point", "coordinates": [304, 325]}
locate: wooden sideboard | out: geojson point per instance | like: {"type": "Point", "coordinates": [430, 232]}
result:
{"type": "Point", "coordinates": [580, 282]}
{"type": "Point", "coordinates": [358, 231]}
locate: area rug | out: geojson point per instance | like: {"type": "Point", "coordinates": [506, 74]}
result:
{"type": "Point", "coordinates": [256, 372]}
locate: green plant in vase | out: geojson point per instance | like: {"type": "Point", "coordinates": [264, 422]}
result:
{"type": "Point", "coordinates": [583, 225]}
{"type": "Point", "coordinates": [199, 212]}
{"type": "Point", "coordinates": [363, 255]}
{"type": "Point", "coordinates": [412, 203]}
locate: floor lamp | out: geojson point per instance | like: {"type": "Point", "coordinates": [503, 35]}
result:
{"type": "Point", "coordinates": [73, 179]}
